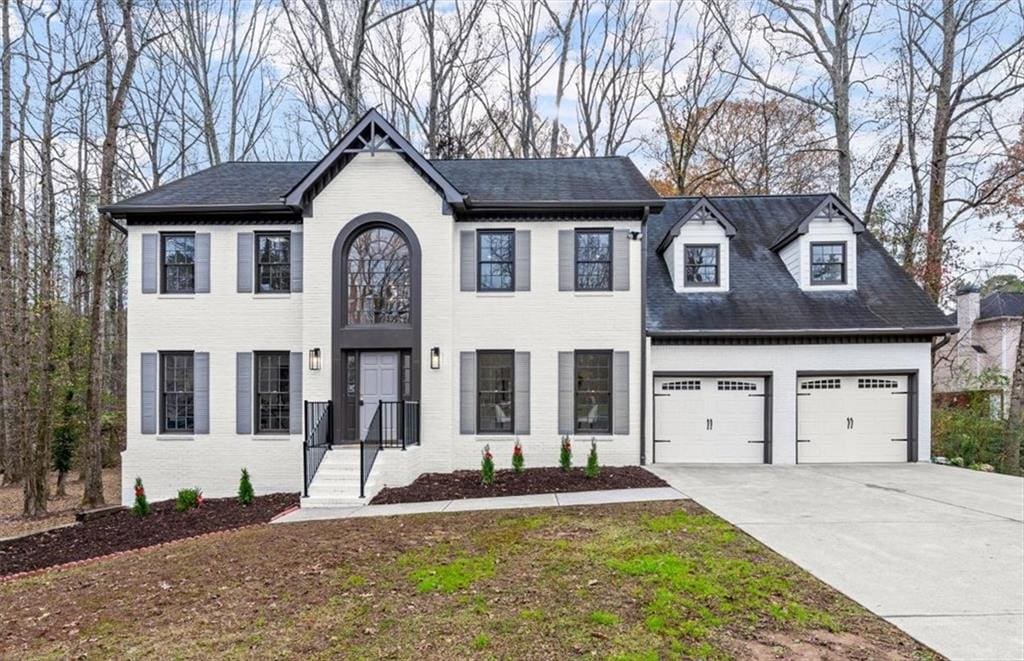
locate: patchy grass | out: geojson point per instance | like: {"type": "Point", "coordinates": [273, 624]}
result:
{"type": "Point", "coordinates": [632, 581]}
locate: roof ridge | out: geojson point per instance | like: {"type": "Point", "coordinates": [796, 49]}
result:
{"type": "Point", "coordinates": [745, 197]}
{"type": "Point", "coordinates": [529, 158]}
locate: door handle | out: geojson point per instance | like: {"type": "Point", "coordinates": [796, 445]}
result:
{"type": "Point", "coordinates": [360, 402]}
{"type": "Point", "coordinates": [851, 423]}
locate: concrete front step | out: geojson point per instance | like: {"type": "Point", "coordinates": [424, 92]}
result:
{"type": "Point", "coordinates": [331, 501]}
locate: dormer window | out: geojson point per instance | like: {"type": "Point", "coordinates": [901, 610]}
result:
{"type": "Point", "coordinates": [702, 265]}
{"type": "Point", "coordinates": [828, 263]}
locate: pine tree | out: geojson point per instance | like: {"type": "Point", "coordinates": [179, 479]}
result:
{"type": "Point", "coordinates": [593, 468]}
{"type": "Point", "coordinates": [141, 506]}
{"type": "Point", "coordinates": [565, 456]}
{"type": "Point", "coordinates": [487, 467]}
{"type": "Point", "coordinates": [245, 490]}
{"type": "Point", "coordinates": [517, 457]}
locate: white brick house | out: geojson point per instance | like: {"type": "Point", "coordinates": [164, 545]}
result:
{"type": "Point", "coordinates": [424, 309]}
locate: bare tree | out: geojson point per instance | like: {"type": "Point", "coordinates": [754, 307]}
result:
{"type": "Point", "coordinates": [224, 48]}
{"type": "Point", "coordinates": [827, 37]}
{"type": "Point", "coordinates": [614, 53]}
{"type": "Point", "coordinates": [690, 89]}
{"type": "Point", "coordinates": [974, 61]}
{"type": "Point", "coordinates": [8, 451]}
{"type": "Point", "coordinates": [328, 42]}
{"type": "Point", "coordinates": [120, 45]}
{"type": "Point", "coordinates": [428, 87]}
{"type": "Point", "coordinates": [563, 27]}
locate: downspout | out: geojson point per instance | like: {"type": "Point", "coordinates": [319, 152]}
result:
{"type": "Point", "coordinates": [643, 336]}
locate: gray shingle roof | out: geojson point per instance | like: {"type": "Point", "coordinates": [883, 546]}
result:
{"type": "Point", "coordinates": [233, 183]}
{"type": "Point", "coordinates": [764, 297]}
{"type": "Point", "coordinates": [996, 306]}
{"type": "Point", "coordinates": [1002, 304]}
{"type": "Point", "coordinates": [547, 179]}
{"type": "Point", "coordinates": [483, 180]}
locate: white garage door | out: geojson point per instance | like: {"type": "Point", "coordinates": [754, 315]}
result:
{"type": "Point", "coordinates": [709, 420]}
{"type": "Point", "coordinates": [851, 418]}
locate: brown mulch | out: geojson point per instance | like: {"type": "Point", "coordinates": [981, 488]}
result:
{"type": "Point", "coordinates": [467, 484]}
{"type": "Point", "coordinates": [123, 531]}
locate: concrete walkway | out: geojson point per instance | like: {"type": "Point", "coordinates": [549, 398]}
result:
{"type": "Point", "coordinates": [935, 550]}
{"type": "Point", "coordinates": [474, 504]}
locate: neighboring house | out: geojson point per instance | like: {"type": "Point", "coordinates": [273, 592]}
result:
{"type": "Point", "coordinates": [438, 306]}
{"type": "Point", "coordinates": [982, 354]}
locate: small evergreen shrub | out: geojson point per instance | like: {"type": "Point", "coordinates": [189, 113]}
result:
{"type": "Point", "coordinates": [487, 467]}
{"type": "Point", "coordinates": [593, 468]}
{"type": "Point", "coordinates": [565, 456]}
{"type": "Point", "coordinates": [245, 490]}
{"type": "Point", "coordinates": [141, 506]}
{"type": "Point", "coordinates": [517, 457]}
{"type": "Point", "coordinates": [188, 499]}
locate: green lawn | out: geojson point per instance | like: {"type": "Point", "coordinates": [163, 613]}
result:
{"type": "Point", "coordinates": [638, 581]}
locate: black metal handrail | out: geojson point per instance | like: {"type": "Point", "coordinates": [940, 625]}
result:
{"type": "Point", "coordinates": [394, 425]}
{"type": "Point", "coordinates": [318, 440]}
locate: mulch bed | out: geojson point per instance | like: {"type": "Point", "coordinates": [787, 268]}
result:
{"type": "Point", "coordinates": [123, 531]}
{"type": "Point", "coordinates": [467, 484]}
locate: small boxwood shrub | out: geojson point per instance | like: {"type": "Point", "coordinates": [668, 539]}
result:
{"type": "Point", "coordinates": [188, 499]}
{"type": "Point", "coordinates": [565, 455]}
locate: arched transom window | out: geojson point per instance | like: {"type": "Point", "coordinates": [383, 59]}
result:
{"type": "Point", "coordinates": [378, 278]}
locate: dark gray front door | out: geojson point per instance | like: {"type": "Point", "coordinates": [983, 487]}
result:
{"type": "Point", "coordinates": [378, 381]}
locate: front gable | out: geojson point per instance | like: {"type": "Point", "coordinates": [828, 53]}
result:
{"type": "Point", "coordinates": [371, 135]}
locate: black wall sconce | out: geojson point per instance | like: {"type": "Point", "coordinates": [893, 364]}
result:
{"type": "Point", "coordinates": [435, 358]}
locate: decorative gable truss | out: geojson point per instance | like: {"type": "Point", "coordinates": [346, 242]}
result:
{"type": "Point", "coordinates": [371, 135]}
{"type": "Point", "coordinates": [829, 210]}
{"type": "Point", "coordinates": [703, 212]}
{"type": "Point", "coordinates": [820, 251]}
{"type": "Point", "coordinates": [696, 249]}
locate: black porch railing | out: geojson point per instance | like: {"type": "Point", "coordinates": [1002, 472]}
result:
{"type": "Point", "coordinates": [394, 425]}
{"type": "Point", "coordinates": [319, 434]}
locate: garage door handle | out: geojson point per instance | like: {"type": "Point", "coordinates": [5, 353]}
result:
{"type": "Point", "coordinates": [709, 424]}
{"type": "Point", "coordinates": [803, 440]}
{"type": "Point", "coordinates": [899, 440]}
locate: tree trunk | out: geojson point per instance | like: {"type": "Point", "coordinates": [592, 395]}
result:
{"type": "Point", "coordinates": [934, 237]}
{"type": "Point", "coordinates": [1015, 421]}
{"type": "Point", "coordinates": [37, 459]}
{"type": "Point", "coordinates": [114, 95]}
{"type": "Point", "coordinates": [8, 445]}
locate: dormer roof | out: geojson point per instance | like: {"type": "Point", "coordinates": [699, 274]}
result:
{"type": "Point", "coordinates": [763, 297]}
{"type": "Point", "coordinates": [830, 208]}
{"type": "Point", "coordinates": [703, 211]}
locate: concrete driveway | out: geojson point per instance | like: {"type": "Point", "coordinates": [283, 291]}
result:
{"type": "Point", "coordinates": [938, 551]}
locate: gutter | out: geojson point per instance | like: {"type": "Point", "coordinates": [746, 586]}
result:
{"type": "Point", "coordinates": [648, 205]}
{"type": "Point", "coordinates": [804, 332]}
{"type": "Point", "coordinates": [121, 210]}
